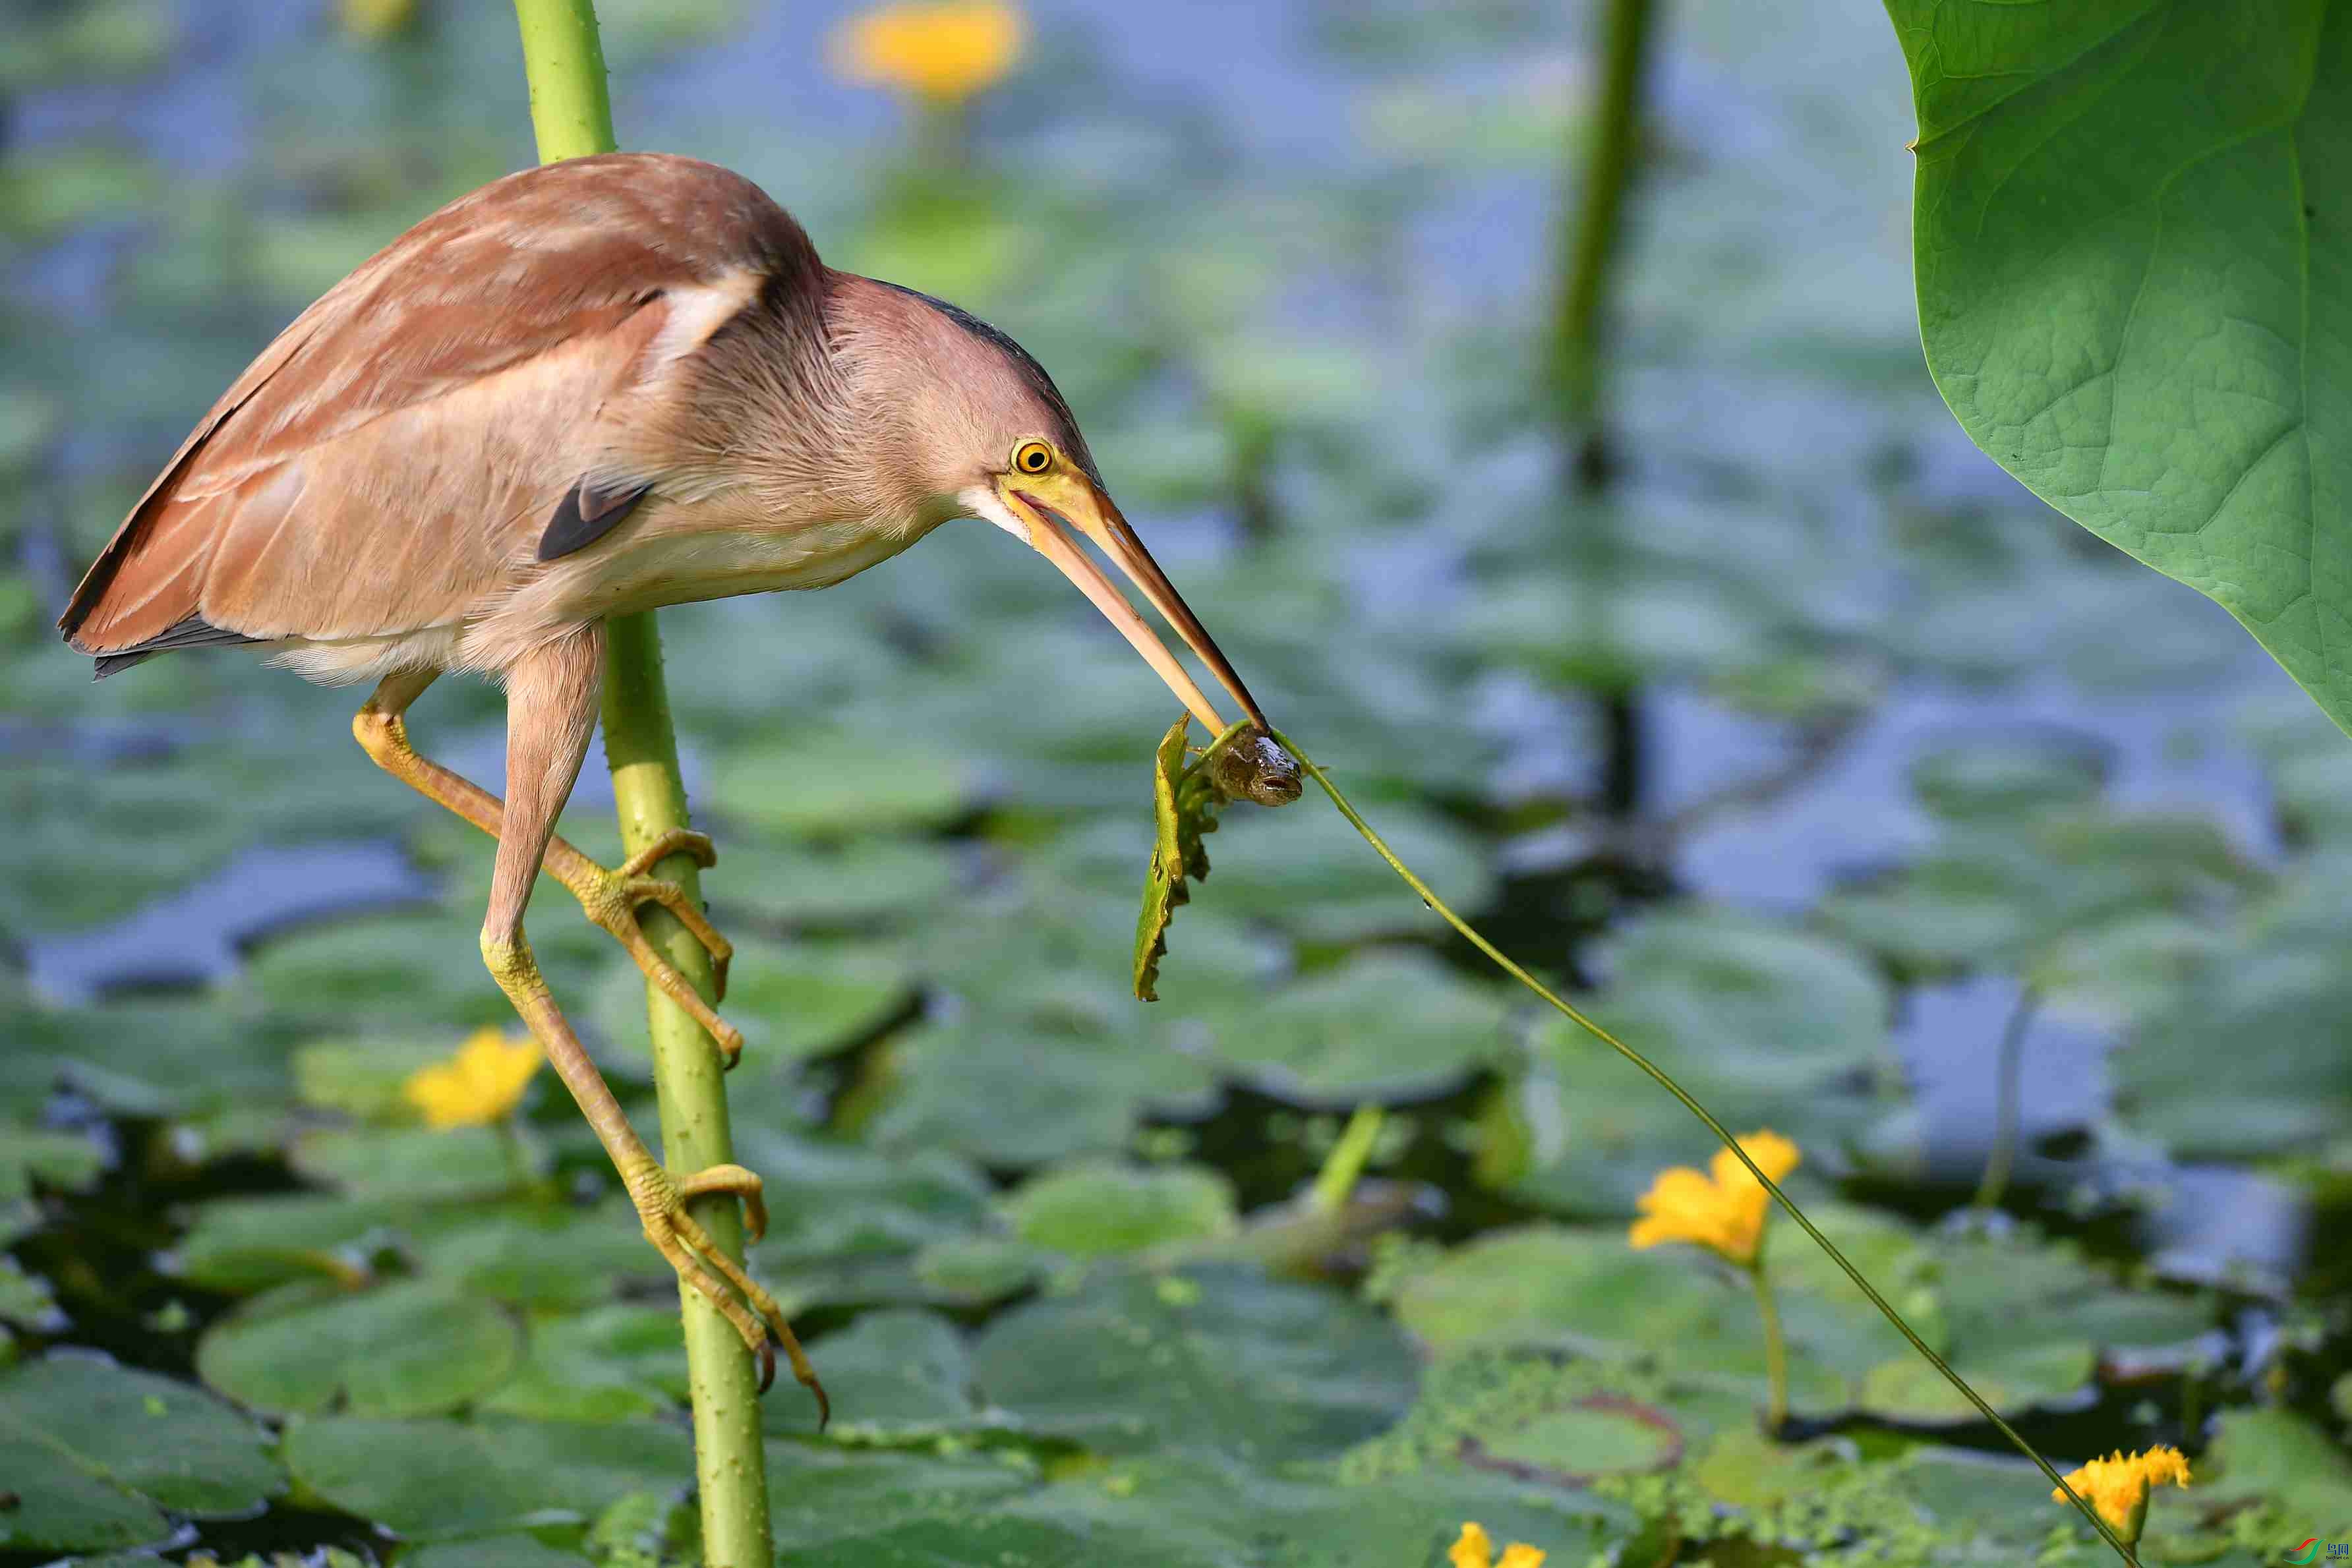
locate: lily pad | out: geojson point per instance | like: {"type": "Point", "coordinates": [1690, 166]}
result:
{"type": "Point", "coordinates": [1791, 1026]}
{"type": "Point", "coordinates": [95, 1453]}
{"type": "Point", "coordinates": [792, 1002]}
{"type": "Point", "coordinates": [26, 1299]}
{"type": "Point", "coordinates": [1095, 1207]}
{"type": "Point", "coordinates": [2281, 1457]}
{"type": "Point", "coordinates": [247, 1244]}
{"type": "Point", "coordinates": [1387, 1024]}
{"type": "Point", "coordinates": [425, 1478]}
{"type": "Point", "coordinates": [1214, 1359]}
{"type": "Point", "coordinates": [610, 1364]}
{"type": "Point", "coordinates": [403, 1349]}
{"type": "Point", "coordinates": [838, 784]}
{"type": "Point", "coordinates": [2027, 1323]}
{"type": "Point", "coordinates": [418, 1164]}
{"type": "Point", "coordinates": [892, 1373]}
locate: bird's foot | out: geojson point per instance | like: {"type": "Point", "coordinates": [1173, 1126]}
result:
{"type": "Point", "coordinates": [661, 1199]}
{"type": "Point", "coordinates": [611, 899]}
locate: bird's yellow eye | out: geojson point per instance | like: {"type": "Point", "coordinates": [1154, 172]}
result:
{"type": "Point", "coordinates": [1033, 457]}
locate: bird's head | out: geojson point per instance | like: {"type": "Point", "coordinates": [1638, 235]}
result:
{"type": "Point", "coordinates": [981, 431]}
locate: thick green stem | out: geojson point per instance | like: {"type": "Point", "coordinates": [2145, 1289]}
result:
{"type": "Point", "coordinates": [1593, 222]}
{"type": "Point", "coordinates": [573, 118]}
{"type": "Point", "coordinates": [1664, 1081]}
{"type": "Point", "coordinates": [2008, 1069]}
{"type": "Point", "coordinates": [1344, 1162]}
{"type": "Point", "coordinates": [1776, 1350]}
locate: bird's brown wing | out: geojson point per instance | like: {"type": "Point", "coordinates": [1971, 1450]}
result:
{"type": "Point", "coordinates": [386, 461]}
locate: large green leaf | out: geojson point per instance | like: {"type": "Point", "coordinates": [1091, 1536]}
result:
{"type": "Point", "coordinates": [1214, 1358]}
{"type": "Point", "coordinates": [2132, 231]}
{"type": "Point", "coordinates": [404, 1349]}
{"type": "Point", "coordinates": [91, 1451]}
{"type": "Point", "coordinates": [450, 1477]}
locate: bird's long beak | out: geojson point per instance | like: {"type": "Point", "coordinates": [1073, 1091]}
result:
{"type": "Point", "coordinates": [1042, 503]}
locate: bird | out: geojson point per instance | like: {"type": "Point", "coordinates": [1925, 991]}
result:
{"type": "Point", "coordinates": [586, 390]}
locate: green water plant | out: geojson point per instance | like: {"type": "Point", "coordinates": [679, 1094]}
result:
{"type": "Point", "coordinates": [1235, 777]}
{"type": "Point", "coordinates": [571, 112]}
{"type": "Point", "coordinates": [1724, 1210]}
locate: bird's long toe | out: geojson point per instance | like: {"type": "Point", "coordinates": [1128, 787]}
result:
{"type": "Point", "coordinates": [661, 1202]}
{"type": "Point", "coordinates": [611, 898]}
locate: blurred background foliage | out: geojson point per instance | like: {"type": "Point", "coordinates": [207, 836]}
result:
{"type": "Point", "coordinates": [1813, 750]}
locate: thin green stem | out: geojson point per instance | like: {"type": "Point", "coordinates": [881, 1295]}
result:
{"type": "Point", "coordinates": [1776, 1349]}
{"type": "Point", "coordinates": [2008, 1069]}
{"type": "Point", "coordinates": [572, 116]}
{"type": "Point", "coordinates": [1594, 222]}
{"type": "Point", "coordinates": [1344, 1162]}
{"type": "Point", "coordinates": [1660, 1077]}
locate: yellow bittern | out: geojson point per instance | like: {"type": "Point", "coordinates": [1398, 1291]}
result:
{"type": "Point", "coordinates": [587, 390]}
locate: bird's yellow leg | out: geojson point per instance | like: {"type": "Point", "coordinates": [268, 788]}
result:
{"type": "Point", "coordinates": [550, 709]}
{"type": "Point", "coordinates": [610, 898]}
{"type": "Point", "coordinates": [661, 1197]}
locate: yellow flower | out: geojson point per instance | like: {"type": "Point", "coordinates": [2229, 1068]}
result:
{"type": "Point", "coordinates": [479, 1085]}
{"type": "Point", "coordinates": [373, 19]}
{"type": "Point", "coordinates": [1724, 1212]}
{"type": "Point", "coordinates": [944, 51]}
{"type": "Point", "coordinates": [1476, 1550]}
{"type": "Point", "coordinates": [2118, 1485]}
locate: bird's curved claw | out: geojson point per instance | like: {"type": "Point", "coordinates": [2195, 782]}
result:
{"type": "Point", "coordinates": [611, 899]}
{"type": "Point", "coordinates": [661, 1202]}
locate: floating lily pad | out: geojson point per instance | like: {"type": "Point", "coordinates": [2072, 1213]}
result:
{"type": "Point", "coordinates": [246, 1244]}
{"type": "Point", "coordinates": [894, 1374]}
{"type": "Point", "coordinates": [1308, 872]}
{"type": "Point", "coordinates": [1790, 1027]}
{"type": "Point", "coordinates": [493, 1551]}
{"type": "Point", "coordinates": [366, 1079]}
{"type": "Point", "coordinates": [610, 1364]}
{"type": "Point", "coordinates": [1011, 1095]}
{"type": "Point", "coordinates": [1095, 1207]}
{"type": "Point", "coordinates": [94, 1453]}
{"type": "Point", "coordinates": [534, 1256]}
{"type": "Point", "coordinates": [2025, 1321]}
{"type": "Point", "coordinates": [455, 1478]}
{"type": "Point", "coordinates": [403, 1349]}
{"type": "Point", "coordinates": [2281, 1457]}
{"type": "Point", "coordinates": [38, 1155]}
{"type": "Point", "coordinates": [26, 1299]}
{"type": "Point", "coordinates": [791, 1001]}
{"type": "Point", "coordinates": [1198, 1512]}
{"type": "Point", "coordinates": [1385, 1024]}
{"type": "Point", "coordinates": [1211, 1358]}
{"type": "Point", "coordinates": [420, 1164]}
{"type": "Point", "coordinates": [866, 880]}
{"type": "Point", "coordinates": [838, 784]}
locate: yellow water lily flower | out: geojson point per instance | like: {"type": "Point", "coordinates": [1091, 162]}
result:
{"type": "Point", "coordinates": [943, 52]}
{"type": "Point", "coordinates": [480, 1083]}
{"type": "Point", "coordinates": [1476, 1550]}
{"type": "Point", "coordinates": [1724, 1212]}
{"type": "Point", "coordinates": [2118, 1485]}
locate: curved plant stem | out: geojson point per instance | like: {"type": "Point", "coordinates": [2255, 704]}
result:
{"type": "Point", "coordinates": [1345, 1161]}
{"type": "Point", "coordinates": [2008, 1069]}
{"type": "Point", "coordinates": [573, 118]}
{"type": "Point", "coordinates": [1659, 1076]}
{"type": "Point", "coordinates": [1776, 1349]}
